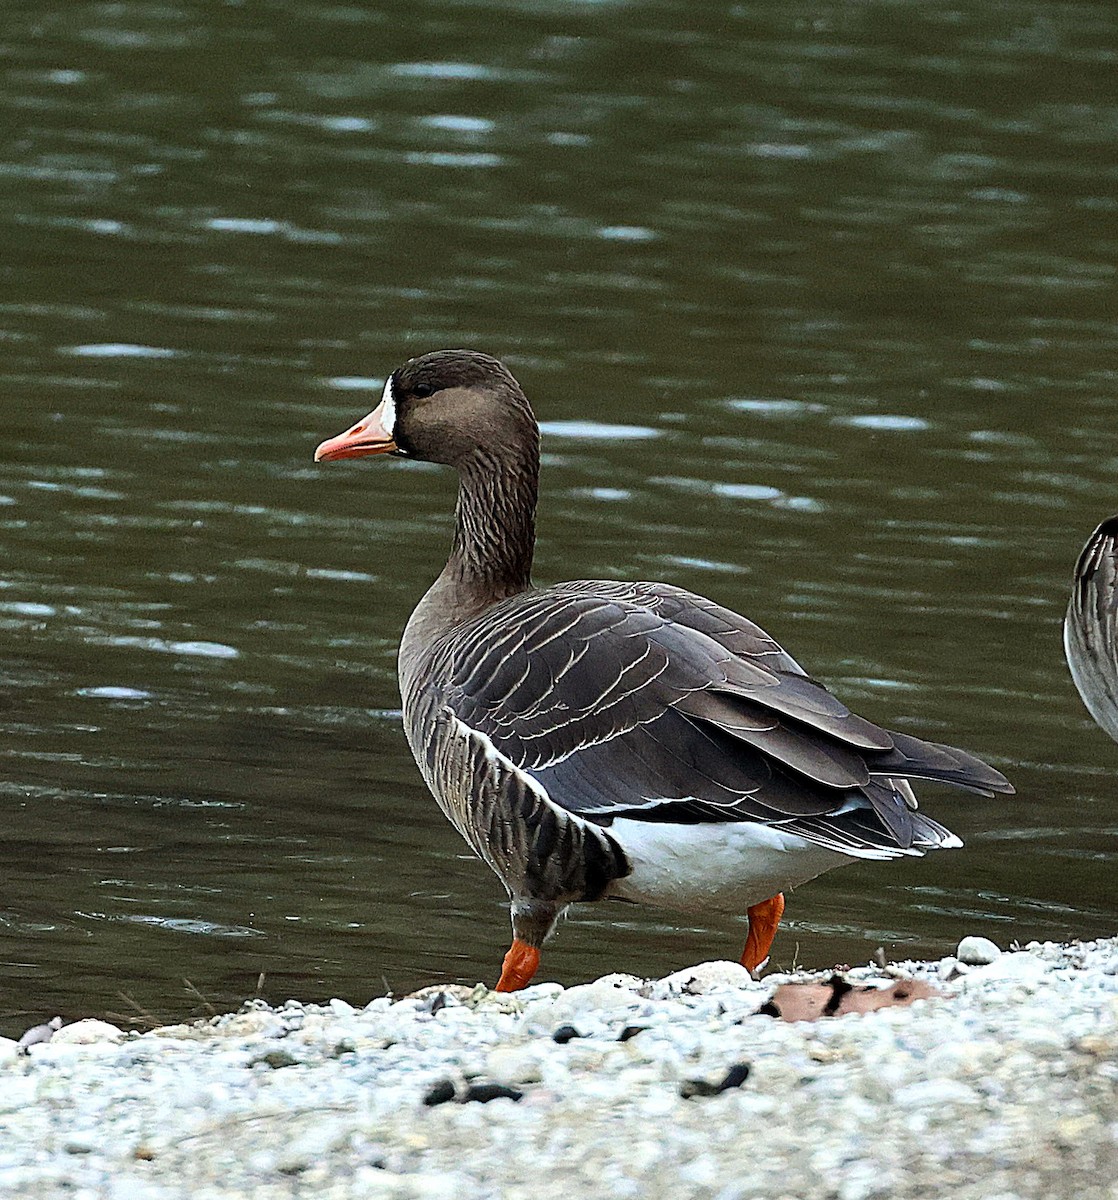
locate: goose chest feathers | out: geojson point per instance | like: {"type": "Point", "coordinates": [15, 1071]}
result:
{"type": "Point", "coordinates": [596, 740]}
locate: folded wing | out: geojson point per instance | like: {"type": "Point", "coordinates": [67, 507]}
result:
{"type": "Point", "coordinates": [646, 702]}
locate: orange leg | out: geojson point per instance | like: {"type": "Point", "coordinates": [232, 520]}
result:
{"type": "Point", "coordinates": [521, 963]}
{"type": "Point", "coordinates": [763, 921]}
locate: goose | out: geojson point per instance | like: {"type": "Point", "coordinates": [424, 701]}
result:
{"type": "Point", "coordinates": [601, 740]}
{"type": "Point", "coordinates": [1091, 626]}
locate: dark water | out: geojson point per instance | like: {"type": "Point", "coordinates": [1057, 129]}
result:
{"type": "Point", "coordinates": [817, 303]}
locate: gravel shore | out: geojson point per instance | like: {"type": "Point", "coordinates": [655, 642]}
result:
{"type": "Point", "coordinates": [1006, 1087]}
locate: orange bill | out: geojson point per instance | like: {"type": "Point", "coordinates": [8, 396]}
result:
{"type": "Point", "coordinates": [371, 435]}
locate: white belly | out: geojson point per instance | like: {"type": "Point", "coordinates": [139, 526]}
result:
{"type": "Point", "coordinates": [715, 868]}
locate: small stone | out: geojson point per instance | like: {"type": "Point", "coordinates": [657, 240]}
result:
{"type": "Point", "coordinates": [565, 1034]}
{"type": "Point", "coordinates": [84, 1142]}
{"type": "Point", "coordinates": [977, 951]}
{"type": "Point", "coordinates": [87, 1032]}
{"type": "Point", "coordinates": [512, 1065]}
{"type": "Point", "coordinates": [1020, 967]}
{"type": "Point", "coordinates": [596, 999]}
{"type": "Point", "coordinates": [630, 1031]}
{"type": "Point", "coordinates": [935, 1093]}
{"type": "Point", "coordinates": [541, 991]}
{"type": "Point", "coordinates": [484, 1092]}
{"type": "Point", "coordinates": [439, 1093]}
{"type": "Point", "coordinates": [734, 1078]}
{"type": "Point", "coordinates": [276, 1059]}
{"type": "Point", "coordinates": [705, 977]}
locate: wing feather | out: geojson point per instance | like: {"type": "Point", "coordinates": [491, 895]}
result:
{"type": "Point", "coordinates": [645, 701]}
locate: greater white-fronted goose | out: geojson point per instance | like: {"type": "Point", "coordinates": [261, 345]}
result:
{"type": "Point", "coordinates": [1091, 626]}
{"type": "Point", "coordinates": [596, 740]}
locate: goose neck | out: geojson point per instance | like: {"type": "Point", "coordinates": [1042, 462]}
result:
{"type": "Point", "coordinates": [494, 525]}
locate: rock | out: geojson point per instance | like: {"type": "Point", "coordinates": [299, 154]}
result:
{"type": "Point", "coordinates": [84, 1142]}
{"type": "Point", "coordinates": [605, 996]}
{"type": "Point", "coordinates": [541, 991]}
{"type": "Point", "coordinates": [513, 1064]}
{"type": "Point", "coordinates": [935, 1093]}
{"type": "Point", "coordinates": [734, 1078]}
{"type": "Point", "coordinates": [439, 1093]}
{"type": "Point", "coordinates": [87, 1032]}
{"type": "Point", "coordinates": [484, 1092]}
{"type": "Point", "coordinates": [1020, 967]}
{"type": "Point", "coordinates": [977, 951]}
{"type": "Point", "coordinates": [276, 1059]}
{"type": "Point", "coordinates": [708, 976]}
{"type": "Point", "coordinates": [630, 1031]}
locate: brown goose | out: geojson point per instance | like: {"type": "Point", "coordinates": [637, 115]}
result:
{"type": "Point", "coordinates": [594, 739]}
{"type": "Point", "coordinates": [1091, 626]}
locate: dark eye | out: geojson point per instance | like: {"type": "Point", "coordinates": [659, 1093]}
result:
{"type": "Point", "coordinates": [421, 390]}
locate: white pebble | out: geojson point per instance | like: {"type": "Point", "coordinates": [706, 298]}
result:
{"type": "Point", "coordinates": [977, 951]}
{"type": "Point", "coordinates": [87, 1032]}
{"type": "Point", "coordinates": [1021, 967]}
{"type": "Point", "coordinates": [935, 1093]}
{"type": "Point", "coordinates": [513, 1065]}
{"type": "Point", "coordinates": [603, 996]}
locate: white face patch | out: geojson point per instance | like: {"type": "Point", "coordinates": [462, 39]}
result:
{"type": "Point", "coordinates": [388, 408]}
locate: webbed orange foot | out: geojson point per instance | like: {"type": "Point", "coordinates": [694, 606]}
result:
{"type": "Point", "coordinates": [763, 921]}
{"type": "Point", "coordinates": [521, 963]}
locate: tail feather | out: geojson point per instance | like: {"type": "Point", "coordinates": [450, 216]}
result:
{"type": "Point", "coordinates": [916, 759]}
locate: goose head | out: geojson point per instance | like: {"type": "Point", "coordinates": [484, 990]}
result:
{"type": "Point", "coordinates": [446, 407]}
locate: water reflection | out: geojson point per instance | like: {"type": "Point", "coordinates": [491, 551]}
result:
{"type": "Point", "coordinates": [815, 308]}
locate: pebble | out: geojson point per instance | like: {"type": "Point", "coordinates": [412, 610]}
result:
{"type": "Point", "coordinates": [706, 977]}
{"type": "Point", "coordinates": [86, 1033]}
{"type": "Point", "coordinates": [734, 1078]}
{"type": "Point", "coordinates": [514, 1064]}
{"type": "Point", "coordinates": [1020, 967]}
{"type": "Point", "coordinates": [977, 951]}
{"type": "Point", "coordinates": [1003, 1087]}
{"type": "Point", "coordinates": [935, 1093]}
